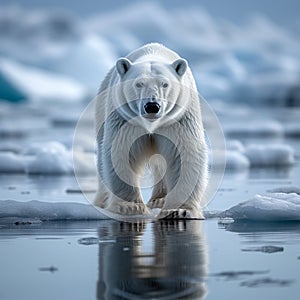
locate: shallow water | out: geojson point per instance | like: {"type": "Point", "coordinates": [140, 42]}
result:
{"type": "Point", "coordinates": [162, 260]}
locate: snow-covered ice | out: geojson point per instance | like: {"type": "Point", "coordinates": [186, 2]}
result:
{"type": "Point", "coordinates": [286, 189]}
{"type": "Point", "coordinates": [48, 158]}
{"type": "Point", "coordinates": [236, 160]}
{"type": "Point", "coordinates": [273, 207]}
{"type": "Point", "coordinates": [240, 157]}
{"type": "Point", "coordinates": [273, 155]}
{"type": "Point", "coordinates": [45, 211]}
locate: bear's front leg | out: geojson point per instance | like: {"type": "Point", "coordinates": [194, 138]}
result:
{"type": "Point", "coordinates": [119, 172]}
{"type": "Point", "coordinates": [124, 199]}
{"type": "Point", "coordinates": [186, 180]}
{"type": "Point", "coordinates": [157, 199]}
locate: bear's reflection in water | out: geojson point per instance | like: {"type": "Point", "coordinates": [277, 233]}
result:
{"type": "Point", "coordinates": [159, 260]}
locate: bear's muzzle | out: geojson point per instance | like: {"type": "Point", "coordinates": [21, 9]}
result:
{"type": "Point", "coordinates": [152, 107]}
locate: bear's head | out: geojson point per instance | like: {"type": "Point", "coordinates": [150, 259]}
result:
{"type": "Point", "coordinates": [151, 90]}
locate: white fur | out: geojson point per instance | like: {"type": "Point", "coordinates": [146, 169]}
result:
{"type": "Point", "coordinates": [127, 140]}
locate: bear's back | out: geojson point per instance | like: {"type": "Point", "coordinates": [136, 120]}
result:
{"type": "Point", "coordinates": [153, 51]}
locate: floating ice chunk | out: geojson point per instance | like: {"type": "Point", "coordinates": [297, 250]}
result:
{"type": "Point", "coordinates": [264, 249]}
{"type": "Point", "coordinates": [225, 221]}
{"type": "Point", "coordinates": [257, 128]}
{"type": "Point", "coordinates": [270, 155]}
{"type": "Point", "coordinates": [24, 82]}
{"type": "Point", "coordinates": [236, 160]}
{"type": "Point", "coordinates": [48, 211]}
{"type": "Point", "coordinates": [37, 148]}
{"type": "Point", "coordinates": [286, 189]}
{"type": "Point", "coordinates": [271, 207]}
{"type": "Point", "coordinates": [232, 275]}
{"type": "Point", "coordinates": [49, 158]}
{"type": "Point", "coordinates": [87, 241]}
{"type": "Point", "coordinates": [266, 283]}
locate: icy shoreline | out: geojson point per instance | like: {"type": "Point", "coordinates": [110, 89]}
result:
{"type": "Point", "coordinates": [272, 207]}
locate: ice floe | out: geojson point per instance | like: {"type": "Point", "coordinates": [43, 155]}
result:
{"type": "Point", "coordinates": [57, 158]}
{"type": "Point", "coordinates": [239, 156]}
{"type": "Point", "coordinates": [46, 211]}
{"type": "Point", "coordinates": [272, 155]}
{"type": "Point", "coordinates": [47, 158]}
{"type": "Point", "coordinates": [272, 207]}
{"type": "Point", "coordinates": [236, 160]}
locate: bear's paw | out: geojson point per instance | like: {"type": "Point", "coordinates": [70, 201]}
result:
{"type": "Point", "coordinates": [156, 203]}
{"type": "Point", "coordinates": [128, 208]}
{"type": "Point", "coordinates": [180, 213]}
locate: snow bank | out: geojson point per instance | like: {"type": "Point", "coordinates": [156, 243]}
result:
{"type": "Point", "coordinates": [19, 82]}
{"type": "Point", "coordinates": [272, 207]}
{"type": "Point", "coordinates": [274, 155]}
{"type": "Point", "coordinates": [48, 211]}
{"type": "Point", "coordinates": [46, 158]}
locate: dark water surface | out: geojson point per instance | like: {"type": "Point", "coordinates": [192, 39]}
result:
{"type": "Point", "coordinates": [149, 260]}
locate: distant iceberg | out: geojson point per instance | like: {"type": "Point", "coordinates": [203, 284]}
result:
{"type": "Point", "coordinates": [20, 82]}
{"type": "Point", "coordinates": [254, 62]}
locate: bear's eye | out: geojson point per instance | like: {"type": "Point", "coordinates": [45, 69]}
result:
{"type": "Point", "coordinates": [139, 84]}
{"type": "Point", "coordinates": [165, 85]}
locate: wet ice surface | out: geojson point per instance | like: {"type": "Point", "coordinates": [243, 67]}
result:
{"type": "Point", "coordinates": [191, 259]}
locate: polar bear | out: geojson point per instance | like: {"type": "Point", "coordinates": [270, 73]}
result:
{"type": "Point", "coordinates": [148, 106]}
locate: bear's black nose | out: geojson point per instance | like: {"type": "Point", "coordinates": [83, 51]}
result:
{"type": "Point", "coordinates": [152, 108]}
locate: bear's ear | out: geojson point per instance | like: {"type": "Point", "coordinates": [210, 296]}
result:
{"type": "Point", "coordinates": [180, 66]}
{"type": "Point", "coordinates": [123, 65]}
